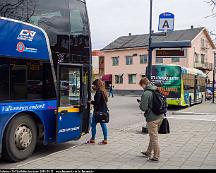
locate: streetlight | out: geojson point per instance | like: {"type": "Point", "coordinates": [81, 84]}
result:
{"type": "Point", "coordinates": [149, 69]}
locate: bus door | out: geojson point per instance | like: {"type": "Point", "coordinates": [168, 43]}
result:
{"type": "Point", "coordinates": [69, 117]}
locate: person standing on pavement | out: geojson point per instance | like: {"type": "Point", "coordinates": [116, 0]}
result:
{"type": "Point", "coordinates": [110, 90]}
{"type": "Point", "coordinates": [153, 121]}
{"type": "Point", "coordinates": [100, 105]}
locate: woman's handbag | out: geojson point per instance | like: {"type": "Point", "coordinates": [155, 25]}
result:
{"type": "Point", "coordinates": [164, 128]}
{"type": "Point", "coordinates": [102, 117]}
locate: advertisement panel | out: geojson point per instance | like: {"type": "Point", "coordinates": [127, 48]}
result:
{"type": "Point", "coordinates": [168, 80]}
{"type": "Point", "coordinates": [22, 40]}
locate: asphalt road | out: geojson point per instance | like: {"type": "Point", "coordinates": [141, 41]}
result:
{"type": "Point", "coordinates": [124, 112]}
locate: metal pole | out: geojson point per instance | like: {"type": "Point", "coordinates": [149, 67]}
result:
{"type": "Point", "coordinates": [149, 69]}
{"type": "Point", "coordinates": [213, 87]}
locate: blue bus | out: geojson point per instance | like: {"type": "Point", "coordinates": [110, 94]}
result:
{"type": "Point", "coordinates": [45, 74]}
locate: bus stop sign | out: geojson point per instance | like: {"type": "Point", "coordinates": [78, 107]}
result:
{"type": "Point", "coordinates": [166, 22]}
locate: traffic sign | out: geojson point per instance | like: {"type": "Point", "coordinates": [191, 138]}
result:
{"type": "Point", "coordinates": [166, 22]}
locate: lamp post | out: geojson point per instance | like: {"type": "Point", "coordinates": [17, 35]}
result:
{"type": "Point", "coordinates": [149, 69]}
{"type": "Point", "coordinates": [213, 87]}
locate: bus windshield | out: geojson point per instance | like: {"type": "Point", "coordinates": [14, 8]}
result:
{"type": "Point", "coordinates": [60, 15]}
{"type": "Point", "coordinates": [168, 80]}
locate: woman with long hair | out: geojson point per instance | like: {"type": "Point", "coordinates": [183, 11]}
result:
{"type": "Point", "coordinates": [100, 105]}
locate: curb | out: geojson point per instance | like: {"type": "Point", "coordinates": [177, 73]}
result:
{"type": "Point", "coordinates": [191, 113]}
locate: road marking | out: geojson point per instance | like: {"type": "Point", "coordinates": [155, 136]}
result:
{"type": "Point", "coordinates": [194, 117]}
{"type": "Point", "coordinates": [190, 113]}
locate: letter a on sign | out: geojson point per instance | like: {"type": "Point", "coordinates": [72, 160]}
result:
{"type": "Point", "coordinates": [166, 22]}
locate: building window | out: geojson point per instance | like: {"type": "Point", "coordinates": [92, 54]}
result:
{"type": "Point", "coordinates": [115, 61]}
{"type": "Point", "coordinates": [196, 58]}
{"type": "Point", "coordinates": [202, 58]}
{"type": "Point", "coordinates": [118, 79]}
{"type": "Point", "coordinates": [143, 59]}
{"type": "Point", "coordinates": [159, 60]}
{"type": "Point", "coordinates": [129, 60]}
{"type": "Point", "coordinates": [175, 59]}
{"type": "Point", "coordinates": [202, 43]}
{"type": "Point", "coordinates": [143, 76]}
{"type": "Point", "coordinates": [132, 78]}
{"type": "Point", "coordinates": [101, 60]}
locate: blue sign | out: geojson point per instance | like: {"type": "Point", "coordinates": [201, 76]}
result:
{"type": "Point", "coordinates": [166, 22]}
{"type": "Point", "coordinates": [18, 39]}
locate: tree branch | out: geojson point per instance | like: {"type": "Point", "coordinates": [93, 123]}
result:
{"type": "Point", "coordinates": [212, 3]}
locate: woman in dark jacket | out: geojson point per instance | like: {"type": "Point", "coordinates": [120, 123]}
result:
{"type": "Point", "coordinates": [100, 105]}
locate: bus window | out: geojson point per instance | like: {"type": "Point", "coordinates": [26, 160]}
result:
{"type": "Point", "coordinates": [78, 17]}
{"type": "Point", "coordinates": [18, 82]}
{"type": "Point", "coordinates": [25, 80]}
{"type": "Point", "coordinates": [189, 81]}
{"type": "Point", "coordinates": [53, 17]}
{"type": "Point", "coordinates": [4, 79]}
{"type": "Point", "coordinates": [69, 87]}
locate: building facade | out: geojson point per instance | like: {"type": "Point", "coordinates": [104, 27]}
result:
{"type": "Point", "coordinates": [97, 64]}
{"type": "Point", "coordinates": [126, 58]}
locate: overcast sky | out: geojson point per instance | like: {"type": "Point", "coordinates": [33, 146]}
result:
{"type": "Point", "coordinates": [110, 19]}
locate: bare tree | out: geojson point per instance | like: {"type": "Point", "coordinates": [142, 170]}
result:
{"type": "Point", "coordinates": [20, 9]}
{"type": "Point", "coordinates": [212, 3]}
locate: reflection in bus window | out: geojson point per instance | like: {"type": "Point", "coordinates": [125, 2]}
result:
{"type": "Point", "coordinates": [69, 87]}
{"type": "Point", "coordinates": [25, 80]}
{"type": "Point", "coordinates": [78, 20]}
{"type": "Point", "coordinates": [4, 79]}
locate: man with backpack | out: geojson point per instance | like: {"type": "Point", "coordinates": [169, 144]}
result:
{"type": "Point", "coordinates": [154, 105]}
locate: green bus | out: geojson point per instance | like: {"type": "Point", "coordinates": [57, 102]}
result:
{"type": "Point", "coordinates": [182, 86]}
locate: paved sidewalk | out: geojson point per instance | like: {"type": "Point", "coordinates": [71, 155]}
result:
{"type": "Point", "coordinates": [191, 144]}
{"type": "Point", "coordinates": [205, 108]}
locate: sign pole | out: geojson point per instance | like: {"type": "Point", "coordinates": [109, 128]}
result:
{"type": "Point", "coordinates": [213, 87]}
{"type": "Point", "coordinates": [149, 69]}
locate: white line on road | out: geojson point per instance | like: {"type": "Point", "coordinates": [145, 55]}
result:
{"type": "Point", "coordinates": [190, 113]}
{"type": "Point", "coordinates": [191, 118]}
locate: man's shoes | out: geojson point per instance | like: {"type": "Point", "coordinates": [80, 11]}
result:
{"type": "Point", "coordinates": [145, 154]}
{"type": "Point", "coordinates": [153, 159]}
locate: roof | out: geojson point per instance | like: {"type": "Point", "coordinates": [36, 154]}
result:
{"type": "Point", "coordinates": [137, 41]}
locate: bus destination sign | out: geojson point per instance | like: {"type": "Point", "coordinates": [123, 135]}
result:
{"type": "Point", "coordinates": [170, 53]}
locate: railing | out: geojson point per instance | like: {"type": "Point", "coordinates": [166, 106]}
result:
{"type": "Point", "coordinates": [203, 66]}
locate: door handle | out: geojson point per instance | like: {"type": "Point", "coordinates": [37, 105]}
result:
{"type": "Point", "coordinates": [64, 112]}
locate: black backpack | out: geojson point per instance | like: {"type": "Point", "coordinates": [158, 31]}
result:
{"type": "Point", "coordinates": [159, 103]}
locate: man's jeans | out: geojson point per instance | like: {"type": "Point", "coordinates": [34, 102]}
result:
{"type": "Point", "coordinates": [153, 128]}
{"type": "Point", "coordinates": [103, 126]}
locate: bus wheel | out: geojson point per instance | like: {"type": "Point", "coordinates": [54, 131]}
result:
{"type": "Point", "coordinates": [20, 138]}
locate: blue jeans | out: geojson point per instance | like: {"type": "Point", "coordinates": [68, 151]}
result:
{"type": "Point", "coordinates": [103, 126]}
{"type": "Point", "coordinates": [111, 93]}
